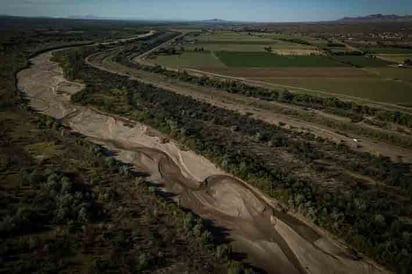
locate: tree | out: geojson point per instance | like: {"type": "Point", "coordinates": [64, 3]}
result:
{"type": "Point", "coordinates": [380, 220]}
{"type": "Point", "coordinates": [142, 262]}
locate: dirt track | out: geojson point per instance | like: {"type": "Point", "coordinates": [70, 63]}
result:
{"type": "Point", "coordinates": [271, 239]}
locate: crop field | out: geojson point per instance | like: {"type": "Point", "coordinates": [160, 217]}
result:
{"type": "Point", "coordinates": [296, 51]}
{"type": "Point", "coordinates": [277, 36]}
{"type": "Point", "coordinates": [376, 89]}
{"type": "Point", "coordinates": [299, 61]}
{"type": "Point", "coordinates": [243, 47]}
{"type": "Point", "coordinates": [275, 48]}
{"type": "Point", "coordinates": [393, 73]}
{"type": "Point", "coordinates": [247, 59]}
{"type": "Point", "coordinates": [230, 36]}
{"type": "Point", "coordinates": [333, 72]}
{"type": "Point", "coordinates": [249, 42]}
{"type": "Point", "coordinates": [387, 50]}
{"type": "Point", "coordinates": [189, 59]}
{"type": "Point", "coordinates": [361, 61]}
{"type": "Point", "coordinates": [398, 58]}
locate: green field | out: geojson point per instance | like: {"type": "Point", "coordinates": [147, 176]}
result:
{"type": "Point", "coordinates": [229, 47]}
{"type": "Point", "coordinates": [189, 59]}
{"type": "Point", "coordinates": [240, 51]}
{"type": "Point", "coordinates": [387, 50]}
{"type": "Point", "coordinates": [276, 46]}
{"type": "Point", "coordinates": [249, 42]}
{"type": "Point", "coordinates": [254, 59]}
{"type": "Point", "coordinates": [272, 43]}
{"type": "Point", "coordinates": [402, 74]}
{"type": "Point", "coordinates": [240, 42]}
{"type": "Point", "coordinates": [362, 61]}
{"type": "Point", "coordinates": [312, 40]}
{"type": "Point", "coordinates": [398, 58]}
{"type": "Point", "coordinates": [388, 91]}
{"type": "Point", "coordinates": [229, 36]}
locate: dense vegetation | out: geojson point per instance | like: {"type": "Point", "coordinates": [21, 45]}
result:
{"type": "Point", "coordinates": [68, 206]}
{"type": "Point", "coordinates": [370, 216]}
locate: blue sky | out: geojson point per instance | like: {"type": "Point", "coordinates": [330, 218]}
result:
{"type": "Point", "coordinates": [243, 10]}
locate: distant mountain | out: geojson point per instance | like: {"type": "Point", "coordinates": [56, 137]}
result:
{"type": "Point", "coordinates": [377, 18]}
{"type": "Point", "coordinates": [88, 17]}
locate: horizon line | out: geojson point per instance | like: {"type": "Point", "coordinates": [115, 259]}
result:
{"type": "Point", "coordinates": [91, 17]}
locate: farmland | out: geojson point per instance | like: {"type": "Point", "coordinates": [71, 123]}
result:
{"type": "Point", "coordinates": [398, 58]}
{"type": "Point", "coordinates": [404, 75]}
{"type": "Point", "coordinates": [190, 59]}
{"type": "Point", "coordinates": [389, 91]}
{"type": "Point", "coordinates": [361, 61]}
{"type": "Point", "coordinates": [387, 50]}
{"type": "Point", "coordinates": [289, 59]}
{"type": "Point", "coordinates": [242, 59]}
{"type": "Point", "coordinates": [248, 43]}
{"type": "Point", "coordinates": [228, 36]}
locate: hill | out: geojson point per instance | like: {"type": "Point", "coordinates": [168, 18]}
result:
{"type": "Point", "coordinates": [377, 17]}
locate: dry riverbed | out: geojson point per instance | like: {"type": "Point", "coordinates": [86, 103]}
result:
{"type": "Point", "coordinates": [272, 240]}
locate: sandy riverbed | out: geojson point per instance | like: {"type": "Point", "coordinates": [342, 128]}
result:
{"type": "Point", "coordinates": [271, 239]}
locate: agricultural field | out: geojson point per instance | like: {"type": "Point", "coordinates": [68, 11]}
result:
{"type": "Point", "coordinates": [387, 50]}
{"type": "Point", "coordinates": [298, 61]}
{"type": "Point", "coordinates": [332, 72]}
{"type": "Point", "coordinates": [245, 59]}
{"type": "Point", "coordinates": [398, 58]}
{"type": "Point", "coordinates": [189, 59]}
{"type": "Point", "coordinates": [228, 36]}
{"type": "Point", "coordinates": [277, 47]}
{"type": "Point", "coordinates": [388, 91]}
{"type": "Point", "coordinates": [401, 74]}
{"type": "Point", "coordinates": [249, 42]}
{"type": "Point", "coordinates": [243, 47]}
{"type": "Point", "coordinates": [362, 61]}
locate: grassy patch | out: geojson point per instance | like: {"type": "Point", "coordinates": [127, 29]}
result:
{"type": "Point", "coordinates": [393, 73]}
{"type": "Point", "coordinates": [387, 91]}
{"type": "Point", "coordinates": [190, 59]}
{"type": "Point", "coordinates": [253, 59]}
{"type": "Point", "coordinates": [398, 58]}
{"type": "Point", "coordinates": [387, 50]}
{"type": "Point", "coordinates": [230, 36]}
{"type": "Point", "coordinates": [279, 47]}
{"type": "Point", "coordinates": [244, 47]}
{"type": "Point", "coordinates": [362, 61]}
{"type": "Point", "coordinates": [43, 149]}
